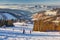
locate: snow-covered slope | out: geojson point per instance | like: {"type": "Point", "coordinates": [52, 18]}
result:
{"type": "Point", "coordinates": [16, 33]}
{"type": "Point", "coordinates": [14, 13]}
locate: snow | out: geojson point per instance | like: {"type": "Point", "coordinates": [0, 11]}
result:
{"type": "Point", "coordinates": [35, 38]}
{"type": "Point", "coordinates": [2, 37]}
{"type": "Point", "coordinates": [19, 23]}
{"type": "Point", "coordinates": [16, 33]}
{"type": "Point", "coordinates": [27, 31]}
{"type": "Point", "coordinates": [8, 16]}
{"type": "Point", "coordinates": [46, 33]}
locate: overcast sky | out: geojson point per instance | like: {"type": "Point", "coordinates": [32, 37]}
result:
{"type": "Point", "coordinates": [30, 1]}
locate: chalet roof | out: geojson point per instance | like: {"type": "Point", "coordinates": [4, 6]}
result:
{"type": "Point", "coordinates": [42, 16]}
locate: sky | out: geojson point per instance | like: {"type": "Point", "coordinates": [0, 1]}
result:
{"type": "Point", "coordinates": [30, 1]}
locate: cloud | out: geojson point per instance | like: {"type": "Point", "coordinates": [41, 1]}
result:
{"type": "Point", "coordinates": [29, 1]}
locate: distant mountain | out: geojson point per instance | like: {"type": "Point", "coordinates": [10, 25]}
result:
{"type": "Point", "coordinates": [29, 7]}
{"type": "Point", "coordinates": [19, 14]}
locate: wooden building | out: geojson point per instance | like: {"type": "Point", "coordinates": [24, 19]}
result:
{"type": "Point", "coordinates": [42, 26]}
{"type": "Point", "coordinates": [46, 23]}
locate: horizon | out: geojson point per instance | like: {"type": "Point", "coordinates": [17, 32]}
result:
{"type": "Point", "coordinates": [46, 2]}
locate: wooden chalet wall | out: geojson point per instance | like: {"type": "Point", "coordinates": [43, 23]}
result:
{"type": "Point", "coordinates": [41, 26]}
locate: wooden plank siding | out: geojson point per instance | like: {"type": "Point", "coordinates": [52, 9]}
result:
{"type": "Point", "coordinates": [45, 26]}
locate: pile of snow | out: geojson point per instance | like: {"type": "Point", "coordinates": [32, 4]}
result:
{"type": "Point", "coordinates": [19, 24]}
{"type": "Point", "coordinates": [45, 33]}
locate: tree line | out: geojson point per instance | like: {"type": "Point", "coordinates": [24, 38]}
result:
{"type": "Point", "coordinates": [6, 22]}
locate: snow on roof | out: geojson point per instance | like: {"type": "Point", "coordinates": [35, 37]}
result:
{"type": "Point", "coordinates": [56, 21]}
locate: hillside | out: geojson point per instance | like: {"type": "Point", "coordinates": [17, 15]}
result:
{"type": "Point", "coordinates": [18, 13]}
